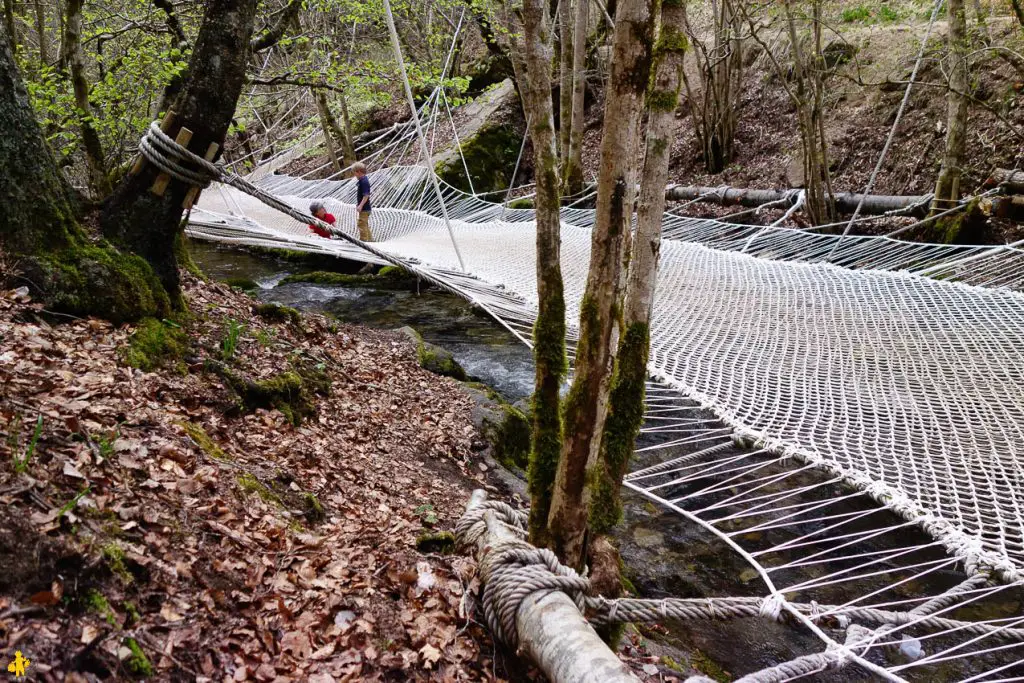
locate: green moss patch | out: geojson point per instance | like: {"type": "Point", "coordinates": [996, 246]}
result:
{"type": "Point", "coordinates": [389, 277]}
{"type": "Point", "coordinates": [440, 542]}
{"type": "Point", "coordinates": [276, 313]}
{"type": "Point", "coordinates": [96, 279]}
{"type": "Point", "coordinates": [434, 358]}
{"type": "Point", "coordinates": [511, 438]}
{"type": "Point", "coordinates": [205, 443]}
{"type": "Point", "coordinates": [156, 344]}
{"type": "Point", "coordinates": [243, 283]}
{"type": "Point", "coordinates": [490, 156]}
{"type": "Point", "coordinates": [138, 663]}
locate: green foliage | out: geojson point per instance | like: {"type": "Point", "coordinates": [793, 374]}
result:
{"type": "Point", "coordinates": [156, 344]}
{"type": "Point", "coordinates": [203, 440]}
{"type": "Point", "coordinates": [864, 14]}
{"type": "Point", "coordinates": [229, 344]}
{"type": "Point", "coordinates": [21, 462]}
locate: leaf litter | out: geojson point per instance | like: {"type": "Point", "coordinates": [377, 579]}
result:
{"type": "Point", "coordinates": [162, 529]}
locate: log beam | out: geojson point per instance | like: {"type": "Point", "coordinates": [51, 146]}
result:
{"type": "Point", "coordinates": [552, 632]}
{"type": "Point", "coordinates": [1012, 182]}
{"type": "Point", "coordinates": [846, 202]}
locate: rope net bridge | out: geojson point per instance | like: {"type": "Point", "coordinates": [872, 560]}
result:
{"type": "Point", "coordinates": [816, 402]}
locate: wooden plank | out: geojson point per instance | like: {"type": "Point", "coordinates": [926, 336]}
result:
{"type": "Point", "coordinates": [165, 126]}
{"type": "Point", "coordinates": [183, 137]}
{"type": "Point", "coordinates": [193, 193]}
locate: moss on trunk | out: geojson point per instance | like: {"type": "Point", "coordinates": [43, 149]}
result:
{"type": "Point", "coordinates": [67, 270]}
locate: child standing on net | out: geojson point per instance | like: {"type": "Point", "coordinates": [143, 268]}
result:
{"type": "Point", "coordinates": [363, 206]}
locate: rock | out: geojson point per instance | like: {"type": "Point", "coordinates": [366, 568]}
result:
{"type": "Point", "coordinates": [433, 357]}
{"type": "Point", "coordinates": [646, 538]}
{"type": "Point", "coordinates": [491, 130]}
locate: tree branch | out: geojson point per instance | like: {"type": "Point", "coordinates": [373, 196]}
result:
{"type": "Point", "coordinates": [272, 35]}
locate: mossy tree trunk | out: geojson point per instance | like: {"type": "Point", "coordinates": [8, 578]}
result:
{"type": "Point", "coordinates": [99, 183]}
{"type": "Point", "coordinates": [147, 224]}
{"type": "Point", "coordinates": [947, 185]}
{"type": "Point", "coordinates": [44, 48]}
{"type": "Point", "coordinates": [587, 403]}
{"type": "Point", "coordinates": [68, 271]}
{"type": "Point", "coordinates": [549, 331]}
{"type": "Point", "coordinates": [324, 113]}
{"type": "Point", "coordinates": [9, 25]}
{"type": "Point", "coordinates": [626, 407]}
{"type": "Point", "coordinates": [572, 175]}
{"type": "Point", "coordinates": [340, 135]}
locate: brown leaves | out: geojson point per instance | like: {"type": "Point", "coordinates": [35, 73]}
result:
{"type": "Point", "coordinates": [193, 521]}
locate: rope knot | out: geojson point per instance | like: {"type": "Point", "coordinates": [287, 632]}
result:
{"type": "Point", "coordinates": [771, 607]}
{"type": "Point", "coordinates": [176, 161]}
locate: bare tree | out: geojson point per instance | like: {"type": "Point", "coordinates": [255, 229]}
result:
{"type": "Point", "coordinates": [572, 174]}
{"type": "Point", "coordinates": [587, 403]}
{"type": "Point", "coordinates": [715, 100]}
{"type": "Point", "coordinates": [947, 185]}
{"type": "Point", "coordinates": [565, 62]}
{"type": "Point", "coordinates": [807, 95]}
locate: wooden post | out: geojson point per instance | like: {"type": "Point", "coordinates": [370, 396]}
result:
{"type": "Point", "coordinates": [193, 193]}
{"type": "Point", "coordinates": [183, 137]}
{"type": "Point", "coordinates": [552, 632]}
{"type": "Point", "coordinates": [165, 126]}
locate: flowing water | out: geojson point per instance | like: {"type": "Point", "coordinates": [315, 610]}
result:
{"type": "Point", "coordinates": [665, 556]}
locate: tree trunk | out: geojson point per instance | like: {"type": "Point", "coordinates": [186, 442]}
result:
{"type": "Point", "coordinates": [58, 261]}
{"type": "Point", "coordinates": [95, 161]}
{"type": "Point", "coordinates": [807, 99]}
{"type": "Point", "coordinates": [12, 33]}
{"type": "Point", "coordinates": [626, 411]}
{"type": "Point", "coordinates": [324, 112]}
{"type": "Point", "coordinates": [1018, 11]}
{"type": "Point", "coordinates": [148, 224]}
{"type": "Point", "coordinates": [586, 405]}
{"type": "Point", "coordinates": [874, 204]}
{"type": "Point", "coordinates": [947, 186]}
{"type": "Point", "coordinates": [549, 331]}
{"type": "Point", "coordinates": [340, 136]}
{"type": "Point", "coordinates": [572, 176]}
{"type": "Point", "coordinates": [565, 61]}
{"type": "Point", "coordinates": [44, 52]}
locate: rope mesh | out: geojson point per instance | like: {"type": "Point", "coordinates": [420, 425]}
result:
{"type": "Point", "coordinates": [907, 386]}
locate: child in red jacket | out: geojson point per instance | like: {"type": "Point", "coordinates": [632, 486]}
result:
{"type": "Point", "coordinates": [318, 210]}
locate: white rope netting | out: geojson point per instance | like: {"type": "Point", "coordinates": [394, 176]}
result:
{"type": "Point", "coordinates": [907, 386]}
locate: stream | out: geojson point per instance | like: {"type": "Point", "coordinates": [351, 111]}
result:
{"type": "Point", "coordinates": [664, 555]}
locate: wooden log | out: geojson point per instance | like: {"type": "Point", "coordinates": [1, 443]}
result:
{"type": "Point", "coordinates": [552, 632]}
{"type": "Point", "coordinates": [165, 126]}
{"type": "Point", "coordinates": [159, 186]}
{"type": "Point", "coordinates": [1011, 181]}
{"type": "Point", "coordinates": [846, 202]}
{"type": "Point", "coordinates": [193, 193]}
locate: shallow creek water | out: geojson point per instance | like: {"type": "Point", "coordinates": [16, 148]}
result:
{"type": "Point", "coordinates": [665, 555]}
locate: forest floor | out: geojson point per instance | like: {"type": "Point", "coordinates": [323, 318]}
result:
{"type": "Point", "coordinates": [160, 527]}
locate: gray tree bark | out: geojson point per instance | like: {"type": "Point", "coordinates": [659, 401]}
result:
{"type": "Point", "coordinates": [947, 185]}
{"type": "Point", "coordinates": [12, 34]}
{"type": "Point", "coordinates": [587, 402]}
{"type": "Point", "coordinates": [147, 224]}
{"type": "Point", "coordinates": [626, 407]}
{"type": "Point", "coordinates": [874, 204]}
{"type": "Point", "coordinates": [44, 49]}
{"type": "Point", "coordinates": [549, 331]}
{"type": "Point", "coordinates": [572, 175]}
{"type": "Point", "coordinates": [565, 61]}
{"type": "Point", "coordinates": [324, 113]}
